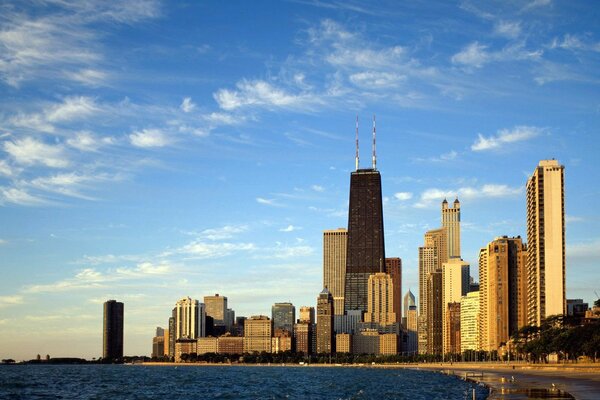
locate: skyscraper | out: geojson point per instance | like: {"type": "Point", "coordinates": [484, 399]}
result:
{"type": "Point", "coordinates": [451, 223]}
{"type": "Point", "coordinates": [189, 319]}
{"type": "Point", "coordinates": [469, 322]}
{"type": "Point", "coordinates": [546, 242]}
{"type": "Point", "coordinates": [434, 313]}
{"type": "Point", "coordinates": [411, 329]}
{"type": "Point", "coordinates": [393, 267]}
{"type": "Point", "coordinates": [503, 286]}
{"type": "Point", "coordinates": [455, 282]}
{"type": "Point", "coordinates": [334, 265]}
{"type": "Point", "coordinates": [112, 344]}
{"type": "Point", "coordinates": [283, 316]}
{"type": "Point", "coordinates": [380, 307]}
{"type": "Point", "coordinates": [257, 334]}
{"type": "Point", "coordinates": [366, 248]}
{"type": "Point", "coordinates": [216, 307]}
{"type": "Point", "coordinates": [409, 300]}
{"type": "Point", "coordinates": [325, 322]}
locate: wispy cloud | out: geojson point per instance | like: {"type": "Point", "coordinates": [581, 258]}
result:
{"type": "Point", "coordinates": [147, 138]}
{"type": "Point", "coordinates": [30, 151]}
{"type": "Point", "coordinates": [509, 29]}
{"type": "Point", "coordinates": [318, 188]}
{"type": "Point", "coordinates": [91, 278]}
{"type": "Point", "coordinates": [506, 136]}
{"type": "Point", "coordinates": [87, 141]}
{"type": "Point", "coordinates": [433, 196]}
{"type": "Point", "coordinates": [574, 42]}
{"type": "Point", "coordinates": [61, 44]}
{"type": "Point", "coordinates": [402, 196]}
{"type": "Point", "coordinates": [476, 55]}
{"type": "Point", "coordinates": [187, 105]}
{"type": "Point", "coordinates": [6, 301]}
{"type": "Point", "coordinates": [225, 232]}
{"type": "Point", "coordinates": [20, 196]}
{"type": "Point", "coordinates": [268, 202]}
{"type": "Point", "coordinates": [290, 228]}
{"type": "Point", "coordinates": [206, 250]}
{"type": "Point", "coordinates": [260, 93]}
{"type": "Point", "coordinates": [450, 156]}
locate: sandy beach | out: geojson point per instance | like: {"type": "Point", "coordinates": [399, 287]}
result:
{"type": "Point", "coordinates": [582, 381]}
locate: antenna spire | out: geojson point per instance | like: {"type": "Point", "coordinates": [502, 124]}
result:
{"type": "Point", "coordinates": [356, 160]}
{"type": "Point", "coordinates": [374, 147]}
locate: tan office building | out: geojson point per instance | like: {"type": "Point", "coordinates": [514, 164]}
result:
{"type": "Point", "coordinates": [216, 307]}
{"type": "Point", "coordinates": [335, 244]}
{"type": "Point", "coordinates": [257, 334]}
{"type": "Point", "coordinates": [303, 336]}
{"type": "Point", "coordinates": [546, 242]}
{"type": "Point", "coordinates": [469, 322]}
{"type": "Point", "coordinates": [455, 282]}
{"type": "Point", "coordinates": [411, 328]}
{"type": "Point", "coordinates": [207, 345]}
{"type": "Point", "coordinates": [307, 314]}
{"type": "Point", "coordinates": [451, 223]}
{"type": "Point", "coordinates": [452, 329]}
{"type": "Point", "coordinates": [343, 343]}
{"type": "Point", "coordinates": [503, 289]}
{"type": "Point", "coordinates": [185, 346]}
{"type": "Point", "coordinates": [389, 344]}
{"type": "Point", "coordinates": [325, 334]}
{"type": "Point", "coordinates": [230, 345]}
{"type": "Point", "coordinates": [380, 299]}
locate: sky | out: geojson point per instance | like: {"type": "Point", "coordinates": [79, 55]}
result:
{"type": "Point", "coordinates": [154, 150]}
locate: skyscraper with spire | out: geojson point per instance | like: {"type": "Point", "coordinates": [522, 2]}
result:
{"type": "Point", "coordinates": [366, 249]}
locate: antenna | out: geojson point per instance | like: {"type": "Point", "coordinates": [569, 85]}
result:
{"type": "Point", "coordinates": [374, 147]}
{"type": "Point", "coordinates": [356, 160]}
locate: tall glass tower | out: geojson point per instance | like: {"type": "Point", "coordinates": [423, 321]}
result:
{"type": "Point", "coordinates": [366, 249]}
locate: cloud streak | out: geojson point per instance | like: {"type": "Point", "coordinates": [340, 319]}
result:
{"type": "Point", "coordinates": [505, 137]}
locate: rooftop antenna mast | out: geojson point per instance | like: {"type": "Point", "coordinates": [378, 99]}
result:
{"type": "Point", "coordinates": [374, 156]}
{"type": "Point", "coordinates": [356, 159]}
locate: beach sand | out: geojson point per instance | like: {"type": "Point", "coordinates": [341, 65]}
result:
{"type": "Point", "coordinates": [522, 381]}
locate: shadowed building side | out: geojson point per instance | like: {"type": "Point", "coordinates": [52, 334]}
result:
{"type": "Point", "coordinates": [112, 348]}
{"type": "Point", "coordinates": [366, 249]}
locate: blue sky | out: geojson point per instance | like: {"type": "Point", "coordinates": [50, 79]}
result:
{"type": "Point", "coordinates": [151, 151]}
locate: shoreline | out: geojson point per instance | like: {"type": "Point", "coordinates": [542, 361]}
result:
{"type": "Point", "coordinates": [579, 381]}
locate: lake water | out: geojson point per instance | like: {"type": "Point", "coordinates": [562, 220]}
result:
{"type": "Point", "coordinates": [226, 382]}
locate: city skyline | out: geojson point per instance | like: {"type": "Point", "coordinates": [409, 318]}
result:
{"type": "Point", "coordinates": [145, 168]}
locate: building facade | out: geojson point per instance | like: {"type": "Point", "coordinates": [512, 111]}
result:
{"type": "Point", "coordinates": [283, 316]}
{"type": "Point", "coordinates": [380, 306]}
{"type": "Point", "coordinates": [469, 322]}
{"type": "Point", "coordinates": [452, 329]}
{"type": "Point", "coordinates": [112, 344]}
{"type": "Point", "coordinates": [189, 319]}
{"type": "Point", "coordinates": [393, 267]}
{"type": "Point", "coordinates": [451, 223]}
{"type": "Point", "coordinates": [434, 313]}
{"type": "Point", "coordinates": [257, 334]}
{"type": "Point", "coordinates": [216, 307]}
{"type": "Point", "coordinates": [503, 290]}
{"type": "Point", "coordinates": [546, 242]}
{"type": "Point", "coordinates": [335, 248]}
{"type": "Point", "coordinates": [325, 334]}
{"type": "Point", "coordinates": [366, 248]}
{"type": "Point", "coordinates": [455, 282]}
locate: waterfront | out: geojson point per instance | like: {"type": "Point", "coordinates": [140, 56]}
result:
{"type": "Point", "coordinates": [227, 382]}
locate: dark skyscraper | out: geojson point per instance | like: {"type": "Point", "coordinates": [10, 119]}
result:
{"type": "Point", "coordinates": [283, 316]}
{"type": "Point", "coordinates": [113, 330]}
{"type": "Point", "coordinates": [366, 249]}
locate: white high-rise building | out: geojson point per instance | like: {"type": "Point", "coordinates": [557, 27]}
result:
{"type": "Point", "coordinates": [451, 223]}
{"type": "Point", "coordinates": [546, 242]}
{"type": "Point", "coordinates": [190, 317]}
{"type": "Point", "coordinates": [455, 283]}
